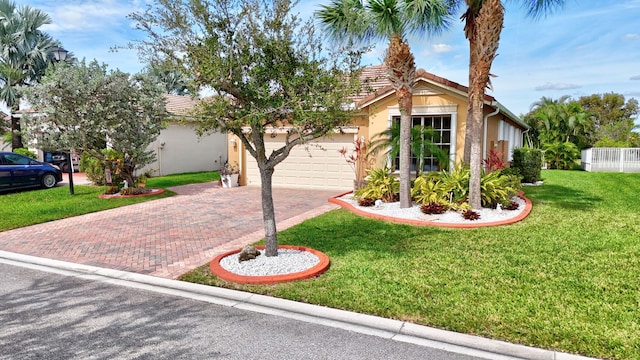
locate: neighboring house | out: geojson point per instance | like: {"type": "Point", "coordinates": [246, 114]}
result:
{"type": "Point", "coordinates": [179, 149]}
{"type": "Point", "coordinates": [437, 102]}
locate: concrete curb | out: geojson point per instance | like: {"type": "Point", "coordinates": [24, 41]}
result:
{"type": "Point", "coordinates": [366, 324]}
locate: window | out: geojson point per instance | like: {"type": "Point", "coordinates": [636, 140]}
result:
{"type": "Point", "coordinates": [441, 124]}
{"type": "Point", "coordinates": [13, 159]}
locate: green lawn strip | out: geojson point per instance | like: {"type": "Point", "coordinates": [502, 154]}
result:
{"type": "Point", "coordinates": [29, 207]}
{"type": "Point", "coordinates": [565, 278]}
{"type": "Point", "coordinates": [183, 179]}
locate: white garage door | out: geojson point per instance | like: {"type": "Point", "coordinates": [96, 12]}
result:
{"type": "Point", "coordinates": [316, 165]}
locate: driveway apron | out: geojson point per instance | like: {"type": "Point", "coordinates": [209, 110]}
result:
{"type": "Point", "coordinates": [166, 237]}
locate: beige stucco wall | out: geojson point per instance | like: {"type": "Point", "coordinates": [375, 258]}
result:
{"type": "Point", "coordinates": [379, 116]}
{"type": "Point", "coordinates": [179, 149]}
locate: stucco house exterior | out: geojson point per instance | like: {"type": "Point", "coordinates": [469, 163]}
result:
{"type": "Point", "coordinates": [437, 102]}
{"type": "Point", "coordinates": [179, 149]}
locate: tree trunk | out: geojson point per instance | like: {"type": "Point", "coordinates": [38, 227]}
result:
{"type": "Point", "coordinates": [405, 101]}
{"type": "Point", "coordinates": [483, 33]}
{"type": "Point", "coordinates": [401, 68]}
{"type": "Point", "coordinates": [268, 212]}
{"type": "Point", "coordinates": [474, 121]}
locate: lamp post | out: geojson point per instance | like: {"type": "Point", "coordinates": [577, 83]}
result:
{"type": "Point", "coordinates": [60, 55]}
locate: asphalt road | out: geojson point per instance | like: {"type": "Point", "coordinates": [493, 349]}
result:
{"type": "Point", "coordinates": [51, 316]}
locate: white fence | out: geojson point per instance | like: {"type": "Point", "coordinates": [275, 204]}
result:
{"type": "Point", "coordinates": [611, 159]}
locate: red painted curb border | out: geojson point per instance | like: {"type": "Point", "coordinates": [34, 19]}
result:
{"type": "Point", "coordinates": [318, 269]}
{"type": "Point", "coordinates": [527, 209]}
{"type": "Point", "coordinates": [105, 196]}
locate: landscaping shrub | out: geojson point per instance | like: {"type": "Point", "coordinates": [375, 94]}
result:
{"type": "Point", "coordinates": [366, 202]}
{"type": "Point", "coordinates": [95, 168]}
{"type": "Point", "coordinates": [470, 215]}
{"type": "Point", "coordinates": [496, 188]}
{"type": "Point", "coordinates": [494, 161]}
{"type": "Point", "coordinates": [528, 161]}
{"type": "Point", "coordinates": [433, 208]}
{"type": "Point", "coordinates": [25, 152]}
{"type": "Point", "coordinates": [561, 156]}
{"type": "Point", "coordinates": [381, 184]}
{"type": "Point", "coordinates": [429, 188]}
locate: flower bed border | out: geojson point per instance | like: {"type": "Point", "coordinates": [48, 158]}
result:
{"type": "Point", "coordinates": [314, 271]}
{"type": "Point", "coordinates": [527, 209]}
{"type": "Point", "coordinates": [152, 193]}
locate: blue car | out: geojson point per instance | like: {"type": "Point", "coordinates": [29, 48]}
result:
{"type": "Point", "coordinates": [18, 171]}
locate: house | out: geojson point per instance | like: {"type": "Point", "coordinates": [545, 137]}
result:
{"type": "Point", "coordinates": [437, 102]}
{"type": "Point", "coordinates": [179, 149]}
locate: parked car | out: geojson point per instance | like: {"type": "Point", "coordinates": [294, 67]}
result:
{"type": "Point", "coordinates": [18, 171]}
{"type": "Point", "coordinates": [59, 159]}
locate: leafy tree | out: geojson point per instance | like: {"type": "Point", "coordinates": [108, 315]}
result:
{"type": "Point", "coordinates": [613, 117]}
{"type": "Point", "coordinates": [25, 53]}
{"type": "Point", "coordinates": [483, 25]}
{"type": "Point", "coordinates": [559, 121]}
{"type": "Point", "coordinates": [392, 20]}
{"type": "Point", "coordinates": [79, 107]}
{"type": "Point", "coordinates": [267, 69]}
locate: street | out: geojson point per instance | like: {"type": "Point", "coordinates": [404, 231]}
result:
{"type": "Point", "coordinates": [51, 316]}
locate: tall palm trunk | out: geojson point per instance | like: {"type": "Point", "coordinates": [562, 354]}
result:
{"type": "Point", "coordinates": [402, 71]}
{"type": "Point", "coordinates": [483, 31]}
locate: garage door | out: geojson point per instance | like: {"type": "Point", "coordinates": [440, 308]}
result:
{"type": "Point", "coordinates": [316, 165]}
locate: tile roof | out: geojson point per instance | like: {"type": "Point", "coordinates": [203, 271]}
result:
{"type": "Point", "coordinates": [375, 78]}
{"type": "Point", "coordinates": [180, 105]}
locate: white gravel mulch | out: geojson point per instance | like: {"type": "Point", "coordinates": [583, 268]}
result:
{"type": "Point", "coordinates": [452, 217]}
{"type": "Point", "coordinates": [288, 261]}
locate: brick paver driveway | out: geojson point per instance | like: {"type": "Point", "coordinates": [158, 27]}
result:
{"type": "Point", "coordinates": [165, 237]}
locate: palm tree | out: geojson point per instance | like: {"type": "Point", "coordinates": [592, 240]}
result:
{"type": "Point", "coordinates": [422, 145]}
{"type": "Point", "coordinates": [392, 20]}
{"type": "Point", "coordinates": [25, 52]}
{"type": "Point", "coordinates": [483, 25]}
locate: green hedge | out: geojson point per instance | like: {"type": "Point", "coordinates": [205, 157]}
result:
{"type": "Point", "coordinates": [529, 162]}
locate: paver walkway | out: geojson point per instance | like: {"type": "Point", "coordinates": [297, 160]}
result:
{"type": "Point", "coordinates": [166, 237]}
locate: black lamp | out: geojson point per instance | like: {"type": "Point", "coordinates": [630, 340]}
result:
{"type": "Point", "coordinates": [60, 55]}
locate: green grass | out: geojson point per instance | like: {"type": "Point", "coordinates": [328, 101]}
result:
{"type": "Point", "coordinates": [22, 208]}
{"type": "Point", "coordinates": [565, 278]}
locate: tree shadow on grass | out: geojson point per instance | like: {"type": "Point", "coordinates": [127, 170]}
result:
{"type": "Point", "coordinates": [562, 197]}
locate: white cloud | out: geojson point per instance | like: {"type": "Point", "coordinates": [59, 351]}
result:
{"type": "Point", "coordinates": [557, 86]}
{"type": "Point", "coordinates": [637, 77]}
{"type": "Point", "coordinates": [89, 15]}
{"type": "Point", "coordinates": [441, 48]}
{"type": "Point", "coordinates": [631, 37]}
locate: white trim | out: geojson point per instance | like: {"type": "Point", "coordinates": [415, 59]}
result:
{"type": "Point", "coordinates": [428, 110]}
{"type": "Point", "coordinates": [285, 130]}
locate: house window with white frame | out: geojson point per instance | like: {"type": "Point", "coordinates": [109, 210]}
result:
{"type": "Point", "coordinates": [441, 125]}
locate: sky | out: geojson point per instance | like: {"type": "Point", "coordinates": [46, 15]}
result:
{"type": "Point", "coordinates": [586, 47]}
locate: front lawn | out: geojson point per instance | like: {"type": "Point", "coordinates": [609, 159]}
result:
{"type": "Point", "coordinates": [565, 278]}
{"type": "Point", "coordinates": [28, 207]}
